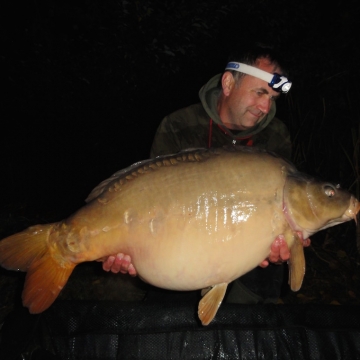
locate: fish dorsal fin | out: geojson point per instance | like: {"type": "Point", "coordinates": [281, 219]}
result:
{"type": "Point", "coordinates": [210, 303]}
{"type": "Point", "coordinates": [132, 172]}
{"type": "Point", "coordinates": [296, 264]}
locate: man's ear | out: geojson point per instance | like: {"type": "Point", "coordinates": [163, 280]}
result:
{"type": "Point", "coordinates": [227, 83]}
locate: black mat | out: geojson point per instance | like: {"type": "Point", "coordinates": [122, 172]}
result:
{"type": "Point", "coordinates": [118, 330]}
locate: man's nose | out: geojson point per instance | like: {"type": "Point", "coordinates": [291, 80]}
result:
{"type": "Point", "coordinates": [264, 104]}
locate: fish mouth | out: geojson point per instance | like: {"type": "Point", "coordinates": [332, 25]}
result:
{"type": "Point", "coordinates": [353, 210]}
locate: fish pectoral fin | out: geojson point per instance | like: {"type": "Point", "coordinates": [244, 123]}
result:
{"type": "Point", "coordinates": [210, 303]}
{"type": "Point", "coordinates": [296, 264]}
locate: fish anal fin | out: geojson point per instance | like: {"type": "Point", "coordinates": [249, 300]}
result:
{"type": "Point", "coordinates": [296, 263]}
{"type": "Point", "coordinates": [210, 303]}
{"type": "Point", "coordinates": [44, 281]}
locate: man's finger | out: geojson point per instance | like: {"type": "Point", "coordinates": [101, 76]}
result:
{"type": "Point", "coordinates": [107, 264]}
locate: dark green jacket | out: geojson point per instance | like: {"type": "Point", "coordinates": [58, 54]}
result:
{"type": "Point", "coordinates": [191, 128]}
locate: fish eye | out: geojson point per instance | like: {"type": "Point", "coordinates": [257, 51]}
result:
{"type": "Point", "coordinates": [329, 191]}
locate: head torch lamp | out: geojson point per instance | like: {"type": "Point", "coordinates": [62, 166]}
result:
{"type": "Point", "coordinates": [277, 82]}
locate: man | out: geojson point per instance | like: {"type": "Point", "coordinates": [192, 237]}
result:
{"type": "Point", "coordinates": [237, 107]}
{"type": "Point", "coordinates": [240, 111]}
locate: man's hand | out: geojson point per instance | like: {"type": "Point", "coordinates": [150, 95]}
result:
{"type": "Point", "coordinates": [279, 251]}
{"type": "Point", "coordinates": [119, 263]}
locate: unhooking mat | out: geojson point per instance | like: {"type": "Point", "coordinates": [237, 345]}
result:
{"type": "Point", "coordinates": [109, 330]}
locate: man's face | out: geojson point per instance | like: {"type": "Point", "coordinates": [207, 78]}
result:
{"type": "Point", "coordinates": [245, 104]}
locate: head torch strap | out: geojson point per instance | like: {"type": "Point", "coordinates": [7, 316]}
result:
{"type": "Point", "coordinates": [275, 81]}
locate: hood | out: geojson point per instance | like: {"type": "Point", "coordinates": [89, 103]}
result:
{"type": "Point", "coordinates": [209, 95]}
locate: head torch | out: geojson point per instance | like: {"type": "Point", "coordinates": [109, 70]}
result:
{"type": "Point", "coordinates": [277, 82]}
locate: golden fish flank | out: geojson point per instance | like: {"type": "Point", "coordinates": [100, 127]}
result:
{"type": "Point", "coordinates": [175, 215]}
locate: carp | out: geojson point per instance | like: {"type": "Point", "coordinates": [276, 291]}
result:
{"type": "Point", "coordinates": [198, 219]}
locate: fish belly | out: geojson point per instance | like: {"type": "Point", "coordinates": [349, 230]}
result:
{"type": "Point", "coordinates": [188, 258]}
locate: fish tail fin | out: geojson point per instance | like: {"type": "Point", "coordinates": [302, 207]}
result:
{"type": "Point", "coordinates": [47, 273]}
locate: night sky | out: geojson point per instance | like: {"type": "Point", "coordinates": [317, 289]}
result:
{"type": "Point", "coordinates": [86, 84]}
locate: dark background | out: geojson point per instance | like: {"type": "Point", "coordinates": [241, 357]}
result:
{"type": "Point", "coordinates": [86, 83]}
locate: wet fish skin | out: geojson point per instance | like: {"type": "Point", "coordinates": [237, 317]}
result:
{"type": "Point", "coordinates": [194, 220]}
